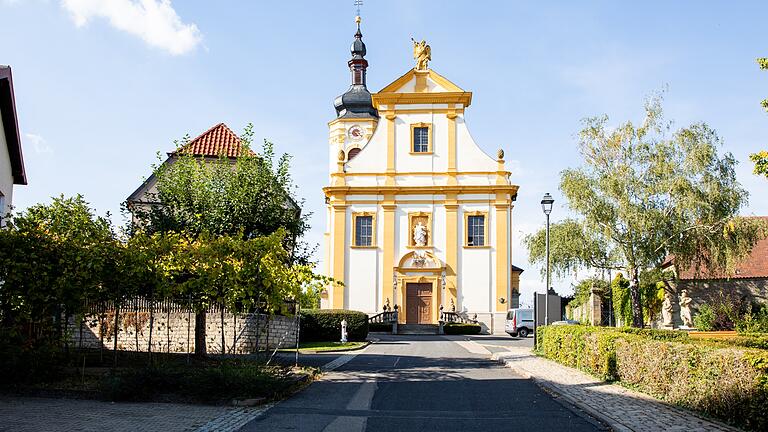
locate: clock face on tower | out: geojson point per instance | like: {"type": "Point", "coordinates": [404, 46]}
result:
{"type": "Point", "coordinates": [355, 133]}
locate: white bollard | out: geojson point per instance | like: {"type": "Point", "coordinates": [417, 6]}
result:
{"type": "Point", "coordinates": [343, 331]}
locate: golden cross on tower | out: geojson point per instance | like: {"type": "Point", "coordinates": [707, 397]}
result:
{"type": "Point", "coordinates": [422, 53]}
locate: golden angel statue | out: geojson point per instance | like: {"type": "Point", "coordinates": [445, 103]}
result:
{"type": "Point", "coordinates": [422, 53]}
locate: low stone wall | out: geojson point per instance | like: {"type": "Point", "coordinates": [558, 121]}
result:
{"type": "Point", "coordinates": [175, 331]}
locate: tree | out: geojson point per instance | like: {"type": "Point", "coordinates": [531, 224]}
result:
{"type": "Point", "coordinates": [53, 258]}
{"type": "Point", "coordinates": [760, 158]}
{"type": "Point", "coordinates": [650, 192]}
{"type": "Point", "coordinates": [252, 195]}
{"type": "Point", "coordinates": [571, 248]}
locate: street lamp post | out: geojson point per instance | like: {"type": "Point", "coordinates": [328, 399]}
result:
{"type": "Point", "coordinates": [546, 206]}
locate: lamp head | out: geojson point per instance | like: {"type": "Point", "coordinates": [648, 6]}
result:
{"type": "Point", "coordinates": [546, 203]}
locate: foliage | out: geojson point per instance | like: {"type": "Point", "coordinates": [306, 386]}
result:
{"type": "Point", "coordinates": [651, 192]}
{"type": "Point", "coordinates": [652, 290]}
{"type": "Point", "coordinates": [761, 162]}
{"type": "Point", "coordinates": [461, 329]}
{"type": "Point", "coordinates": [52, 258]}
{"type": "Point", "coordinates": [754, 320]}
{"type": "Point", "coordinates": [583, 290]}
{"type": "Point", "coordinates": [325, 325]}
{"type": "Point", "coordinates": [760, 158]}
{"type": "Point", "coordinates": [722, 381]}
{"type": "Point", "coordinates": [249, 196]}
{"type": "Point", "coordinates": [720, 314]}
{"type": "Point", "coordinates": [380, 327]}
{"type": "Point", "coordinates": [207, 384]}
{"type": "Point", "coordinates": [622, 307]}
{"type": "Point", "coordinates": [704, 319]}
{"type": "Point", "coordinates": [571, 247]}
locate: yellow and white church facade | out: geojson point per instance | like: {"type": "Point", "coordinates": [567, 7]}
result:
{"type": "Point", "coordinates": [418, 215]}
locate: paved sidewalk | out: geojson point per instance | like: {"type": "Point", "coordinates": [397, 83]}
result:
{"type": "Point", "coordinates": [621, 408]}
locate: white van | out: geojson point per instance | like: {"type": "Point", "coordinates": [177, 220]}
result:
{"type": "Point", "coordinates": [519, 322]}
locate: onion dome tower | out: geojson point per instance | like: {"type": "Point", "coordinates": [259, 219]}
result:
{"type": "Point", "coordinates": [356, 102]}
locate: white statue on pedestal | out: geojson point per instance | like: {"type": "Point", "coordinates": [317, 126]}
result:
{"type": "Point", "coordinates": [685, 309]}
{"type": "Point", "coordinates": [666, 310]}
{"type": "Point", "coordinates": [419, 234]}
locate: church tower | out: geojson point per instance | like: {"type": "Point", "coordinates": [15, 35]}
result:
{"type": "Point", "coordinates": [356, 118]}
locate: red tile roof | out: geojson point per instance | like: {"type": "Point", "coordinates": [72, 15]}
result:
{"type": "Point", "coordinates": [754, 266]}
{"type": "Point", "coordinates": [216, 141]}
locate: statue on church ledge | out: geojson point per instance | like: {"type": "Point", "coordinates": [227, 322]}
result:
{"type": "Point", "coordinates": [420, 234]}
{"type": "Point", "coordinates": [422, 53]}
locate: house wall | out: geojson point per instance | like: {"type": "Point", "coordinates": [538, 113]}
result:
{"type": "Point", "coordinates": [752, 289]}
{"type": "Point", "coordinates": [6, 176]}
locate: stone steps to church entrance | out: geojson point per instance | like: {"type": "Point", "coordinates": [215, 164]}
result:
{"type": "Point", "coordinates": [417, 329]}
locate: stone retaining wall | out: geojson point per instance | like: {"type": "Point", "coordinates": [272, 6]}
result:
{"type": "Point", "coordinates": [175, 332]}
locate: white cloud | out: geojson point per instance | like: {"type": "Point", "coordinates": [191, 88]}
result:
{"type": "Point", "coordinates": [39, 144]}
{"type": "Point", "coordinates": [154, 21]}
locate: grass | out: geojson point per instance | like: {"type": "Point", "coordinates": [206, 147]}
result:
{"type": "Point", "coordinates": [327, 346]}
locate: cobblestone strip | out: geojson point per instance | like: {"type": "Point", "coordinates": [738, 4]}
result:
{"type": "Point", "coordinates": [621, 408]}
{"type": "Point", "coordinates": [234, 419]}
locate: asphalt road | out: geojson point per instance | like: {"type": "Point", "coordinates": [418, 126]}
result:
{"type": "Point", "coordinates": [424, 383]}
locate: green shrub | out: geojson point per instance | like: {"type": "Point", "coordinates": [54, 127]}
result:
{"type": "Point", "coordinates": [705, 318]}
{"type": "Point", "coordinates": [208, 384]}
{"type": "Point", "coordinates": [379, 327]}
{"type": "Point", "coordinates": [755, 320]}
{"type": "Point", "coordinates": [318, 325]}
{"type": "Point", "coordinates": [723, 378]}
{"type": "Point", "coordinates": [461, 329]}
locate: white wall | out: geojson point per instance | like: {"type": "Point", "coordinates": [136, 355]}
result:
{"type": "Point", "coordinates": [6, 176]}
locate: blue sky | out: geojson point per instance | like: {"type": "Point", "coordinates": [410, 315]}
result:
{"type": "Point", "coordinates": [102, 85]}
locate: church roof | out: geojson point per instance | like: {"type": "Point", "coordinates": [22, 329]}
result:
{"type": "Point", "coordinates": [216, 141]}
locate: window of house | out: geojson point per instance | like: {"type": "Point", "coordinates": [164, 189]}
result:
{"type": "Point", "coordinates": [363, 230]}
{"type": "Point", "coordinates": [420, 135]}
{"type": "Point", "coordinates": [476, 230]}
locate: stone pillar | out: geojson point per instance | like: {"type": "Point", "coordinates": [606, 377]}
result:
{"type": "Point", "coordinates": [595, 309]}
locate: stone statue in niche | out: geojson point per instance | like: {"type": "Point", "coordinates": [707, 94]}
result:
{"type": "Point", "coordinates": [666, 310]}
{"type": "Point", "coordinates": [420, 234]}
{"type": "Point", "coordinates": [685, 309]}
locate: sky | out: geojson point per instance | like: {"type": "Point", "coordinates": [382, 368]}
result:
{"type": "Point", "coordinates": [102, 86]}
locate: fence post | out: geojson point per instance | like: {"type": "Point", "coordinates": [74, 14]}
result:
{"type": "Point", "coordinates": [298, 331]}
{"type": "Point", "coordinates": [223, 343]}
{"type": "Point", "coordinates": [151, 325]}
{"type": "Point", "coordinates": [189, 323]}
{"type": "Point", "coordinates": [168, 326]}
{"type": "Point", "coordinates": [117, 329]}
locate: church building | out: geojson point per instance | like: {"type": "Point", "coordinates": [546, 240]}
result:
{"type": "Point", "coordinates": [418, 215]}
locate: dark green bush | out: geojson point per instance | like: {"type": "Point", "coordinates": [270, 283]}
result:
{"type": "Point", "coordinates": [718, 378]}
{"type": "Point", "coordinates": [461, 329]}
{"type": "Point", "coordinates": [207, 384]}
{"type": "Point", "coordinates": [319, 325]}
{"type": "Point", "coordinates": [379, 327]}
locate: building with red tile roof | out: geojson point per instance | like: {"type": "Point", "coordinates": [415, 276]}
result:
{"type": "Point", "coordinates": [218, 141]}
{"type": "Point", "coordinates": [749, 281]}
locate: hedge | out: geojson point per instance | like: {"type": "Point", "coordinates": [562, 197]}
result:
{"type": "Point", "coordinates": [380, 327]}
{"type": "Point", "coordinates": [320, 325]}
{"type": "Point", "coordinates": [720, 380]}
{"type": "Point", "coordinates": [461, 329]}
